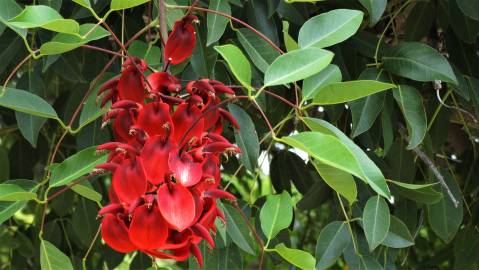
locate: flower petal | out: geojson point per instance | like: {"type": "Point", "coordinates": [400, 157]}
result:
{"type": "Point", "coordinates": [185, 170]}
{"type": "Point", "coordinates": [155, 156]}
{"type": "Point", "coordinates": [115, 234]}
{"type": "Point", "coordinates": [177, 205]}
{"type": "Point", "coordinates": [187, 125]}
{"type": "Point", "coordinates": [129, 180]}
{"type": "Point", "coordinates": [181, 41]}
{"type": "Point", "coordinates": [148, 229]}
{"type": "Point", "coordinates": [155, 119]}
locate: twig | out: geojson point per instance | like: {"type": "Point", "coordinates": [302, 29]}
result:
{"type": "Point", "coordinates": [265, 38]}
{"type": "Point", "coordinates": [163, 27]}
{"type": "Point", "coordinates": [255, 234]}
{"type": "Point", "coordinates": [90, 247]}
{"type": "Point", "coordinates": [417, 150]}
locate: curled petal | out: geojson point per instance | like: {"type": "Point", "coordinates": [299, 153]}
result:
{"type": "Point", "coordinates": [201, 231]}
{"type": "Point", "coordinates": [148, 229]}
{"type": "Point", "coordinates": [129, 180]}
{"type": "Point", "coordinates": [220, 194]}
{"type": "Point", "coordinates": [185, 170]}
{"type": "Point", "coordinates": [180, 254]}
{"type": "Point", "coordinates": [195, 250]}
{"type": "Point", "coordinates": [220, 147]}
{"type": "Point", "coordinates": [111, 209]}
{"type": "Point", "coordinates": [115, 234]}
{"type": "Point", "coordinates": [228, 116]}
{"type": "Point", "coordinates": [177, 205]}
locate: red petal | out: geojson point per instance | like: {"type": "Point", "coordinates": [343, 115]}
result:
{"type": "Point", "coordinates": [155, 155]}
{"type": "Point", "coordinates": [131, 85]}
{"type": "Point", "coordinates": [177, 205]}
{"type": "Point", "coordinates": [197, 253]}
{"type": "Point", "coordinates": [185, 170]}
{"type": "Point", "coordinates": [129, 181]}
{"type": "Point", "coordinates": [122, 126]}
{"type": "Point", "coordinates": [148, 229]}
{"type": "Point", "coordinates": [115, 234]}
{"type": "Point", "coordinates": [187, 125]}
{"type": "Point", "coordinates": [180, 254]}
{"type": "Point", "coordinates": [155, 119]}
{"type": "Point", "coordinates": [181, 41]}
{"type": "Point", "coordinates": [203, 233]}
{"type": "Point", "coordinates": [163, 82]}
{"type": "Point", "coordinates": [112, 208]}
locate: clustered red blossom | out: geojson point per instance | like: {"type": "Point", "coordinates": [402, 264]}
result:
{"type": "Point", "coordinates": [166, 158]}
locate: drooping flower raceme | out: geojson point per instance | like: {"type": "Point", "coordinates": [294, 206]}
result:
{"type": "Point", "coordinates": [165, 160]}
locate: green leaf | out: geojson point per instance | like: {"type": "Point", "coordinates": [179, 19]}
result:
{"type": "Point", "coordinates": [76, 166]}
{"type": "Point", "coordinates": [444, 218]}
{"type": "Point", "coordinates": [342, 182]}
{"type": "Point", "coordinates": [84, 3]}
{"type": "Point", "coordinates": [329, 28]}
{"type": "Point", "coordinates": [370, 173]}
{"type": "Point", "coordinates": [375, 9]}
{"type": "Point", "coordinates": [8, 209]}
{"type": "Point", "coordinates": [217, 24]}
{"type": "Point", "coordinates": [124, 4]}
{"type": "Point", "coordinates": [12, 192]}
{"type": "Point", "coordinates": [44, 17]}
{"type": "Point", "coordinates": [86, 190]}
{"type": "Point", "coordinates": [151, 54]}
{"type": "Point", "coordinates": [55, 4]}
{"type": "Point", "coordinates": [332, 241]}
{"type": "Point", "coordinates": [470, 8]}
{"type": "Point", "coordinates": [237, 63]}
{"type": "Point", "coordinates": [364, 111]}
{"type": "Point", "coordinates": [301, 259]}
{"type": "Point", "coordinates": [64, 42]}
{"type": "Point", "coordinates": [297, 65]}
{"type": "Point", "coordinates": [422, 193]}
{"type": "Point", "coordinates": [260, 52]}
{"type": "Point", "coordinates": [289, 42]}
{"type": "Point", "coordinates": [376, 220]}
{"type": "Point", "coordinates": [340, 92]}
{"type": "Point", "coordinates": [237, 229]}
{"type": "Point", "coordinates": [51, 258]}
{"type": "Point", "coordinates": [325, 148]}
{"type": "Point", "coordinates": [418, 61]}
{"type": "Point", "coordinates": [246, 138]}
{"type": "Point", "coordinates": [410, 101]}
{"type": "Point", "coordinates": [24, 101]}
{"type": "Point", "coordinates": [276, 214]}
{"type": "Point", "coordinates": [465, 248]}
{"type": "Point", "coordinates": [10, 9]}
{"type": "Point", "coordinates": [312, 85]}
{"type": "Point", "coordinates": [398, 235]}
{"type": "Point", "coordinates": [29, 126]}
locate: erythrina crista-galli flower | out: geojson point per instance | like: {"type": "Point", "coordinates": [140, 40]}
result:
{"type": "Point", "coordinates": [165, 160]}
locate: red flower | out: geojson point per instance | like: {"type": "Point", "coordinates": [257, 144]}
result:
{"type": "Point", "coordinates": [181, 41]}
{"type": "Point", "coordinates": [166, 158]}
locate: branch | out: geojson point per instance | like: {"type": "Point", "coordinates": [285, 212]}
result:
{"type": "Point", "coordinates": [417, 150]}
{"type": "Point", "coordinates": [163, 27]}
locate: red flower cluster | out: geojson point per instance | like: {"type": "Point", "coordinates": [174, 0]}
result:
{"type": "Point", "coordinates": [166, 157]}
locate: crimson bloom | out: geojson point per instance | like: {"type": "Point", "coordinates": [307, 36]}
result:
{"type": "Point", "coordinates": [166, 159]}
{"type": "Point", "coordinates": [181, 41]}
